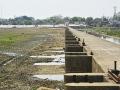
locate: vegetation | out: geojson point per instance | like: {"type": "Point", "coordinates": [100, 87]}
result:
{"type": "Point", "coordinates": [58, 19]}
{"type": "Point", "coordinates": [11, 38]}
{"type": "Point", "coordinates": [107, 31]}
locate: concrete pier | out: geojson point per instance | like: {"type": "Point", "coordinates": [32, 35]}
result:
{"type": "Point", "coordinates": [78, 63]}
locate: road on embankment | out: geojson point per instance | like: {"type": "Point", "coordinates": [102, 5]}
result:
{"type": "Point", "coordinates": [105, 52]}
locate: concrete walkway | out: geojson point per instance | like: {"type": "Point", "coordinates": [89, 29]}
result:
{"type": "Point", "coordinates": [105, 53]}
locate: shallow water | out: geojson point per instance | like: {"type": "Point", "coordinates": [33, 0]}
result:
{"type": "Point", "coordinates": [52, 56]}
{"type": "Point", "coordinates": [106, 37]}
{"type": "Point", "coordinates": [56, 51]}
{"type": "Point", "coordinates": [53, 63]}
{"type": "Point", "coordinates": [29, 26]}
{"type": "Point", "coordinates": [111, 39]}
{"type": "Point", "coordinates": [11, 53]}
{"type": "Point", "coordinates": [57, 60]}
{"type": "Point", "coordinates": [50, 77]}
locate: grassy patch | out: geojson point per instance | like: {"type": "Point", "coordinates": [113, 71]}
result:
{"type": "Point", "coordinates": [108, 31]}
{"type": "Point", "coordinates": [12, 38]}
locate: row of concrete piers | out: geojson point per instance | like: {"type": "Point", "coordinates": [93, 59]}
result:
{"type": "Point", "coordinates": [82, 72]}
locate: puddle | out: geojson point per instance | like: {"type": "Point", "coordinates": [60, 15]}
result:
{"type": "Point", "coordinates": [11, 54]}
{"type": "Point", "coordinates": [56, 51]}
{"type": "Point", "coordinates": [111, 39]}
{"type": "Point", "coordinates": [50, 77]}
{"type": "Point", "coordinates": [107, 38]}
{"type": "Point", "coordinates": [43, 56]}
{"type": "Point", "coordinates": [58, 60]}
{"type": "Point", "coordinates": [52, 63]}
{"type": "Point", "coordinates": [52, 56]}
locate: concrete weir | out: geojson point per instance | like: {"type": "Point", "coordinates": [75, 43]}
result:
{"type": "Point", "coordinates": [82, 70]}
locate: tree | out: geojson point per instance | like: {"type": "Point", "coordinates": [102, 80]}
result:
{"type": "Point", "coordinates": [24, 20]}
{"type": "Point", "coordinates": [97, 22]}
{"type": "Point", "coordinates": [54, 20]}
{"type": "Point", "coordinates": [66, 19]}
{"type": "Point", "coordinates": [105, 21]}
{"type": "Point", "coordinates": [89, 21]}
{"type": "Point", "coordinates": [77, 20]}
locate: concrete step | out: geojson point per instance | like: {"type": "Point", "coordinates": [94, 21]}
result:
{"type": "Point", "coordinates": [91, 86]}
{"type": "Point", "coordinates": [84, 77]}
{"type": "Point", "coordinates": [73, 49]}
{"type": "Point", "coordinates": [75, 53]}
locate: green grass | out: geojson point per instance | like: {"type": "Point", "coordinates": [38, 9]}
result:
{"type": "Point", "coordinates": [12, 38]}
{"type": "Point", "coordinates": [107, 31]}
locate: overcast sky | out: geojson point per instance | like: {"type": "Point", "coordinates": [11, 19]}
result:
{"type": "Point", "coordinates": [46, 8]}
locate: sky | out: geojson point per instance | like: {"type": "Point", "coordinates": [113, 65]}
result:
{"type": "Point", "coordinates": [45, 8]}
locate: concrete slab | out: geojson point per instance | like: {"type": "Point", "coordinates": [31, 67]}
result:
{"type": "Point", "coordinates": [91, 86]}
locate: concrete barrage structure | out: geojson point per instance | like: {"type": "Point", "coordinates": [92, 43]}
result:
{"type": "Point", "coordinates": [82, 71]}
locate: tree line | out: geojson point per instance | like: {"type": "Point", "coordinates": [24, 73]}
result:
{"type": "Point", "coordinates": [58, 19]}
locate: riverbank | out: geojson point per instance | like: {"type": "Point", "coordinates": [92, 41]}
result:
{"type": "Point", "coordinates": [114, 32]}
{"type": "Point", "coordinates": [21, 73]}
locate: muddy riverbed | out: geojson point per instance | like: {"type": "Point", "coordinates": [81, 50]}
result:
{"type": "Point", "coordinates": [35, 62]}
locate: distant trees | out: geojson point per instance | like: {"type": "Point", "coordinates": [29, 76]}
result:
{"type": "Point", "coordinates": [98, 22]}
{"type": "Point", "coordinates": [54, 20]}
{"type": "Point", "coordinates": [89, 21]}
{"type": "Point", "coordinates": [23, 20]}
{"type": "Point", "coordinates": [77, 20]}
{"type": "Point", "coordinates": [58, 19]}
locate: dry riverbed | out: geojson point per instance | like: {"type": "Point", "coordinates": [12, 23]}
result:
{"type": "Point", "coordinates": [21, 73]}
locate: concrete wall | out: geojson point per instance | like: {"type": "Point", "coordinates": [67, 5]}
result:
{"type": "Point", "coordinates": [81, 69]}
{"type": "Point", "coordinates": [75, 53]}
{"type": "Point", "coordinates": [96, 67]}
{"type": "Point", "coordinates": [71, 42]}
{"type": "Point", "coordinates": [83, 77]}
{"type": "Point", "coordinates": [70, 39]}
{"type": "Point", "coordinates": [78, 63]}
{"type": "Point", "coordinates": [73, 49]}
